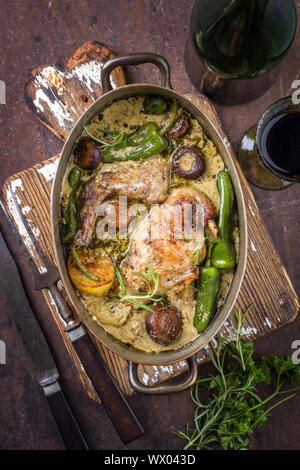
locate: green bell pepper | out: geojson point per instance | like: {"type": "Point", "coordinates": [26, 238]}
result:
{"type": "Point", "coordinates": [144, 142]}
{"type": "Point", "coordinates": [154, 105]}
{"type": "Point", "coordinates": [224, 253]}
{"type": "Point", "coordinates": [74, 178]}
{"type": "Point", "coordinates": [208, 284]}
{"type": "Point", "coordinates": [171, 118]}
{"type": "Point", "coordinates": [69, 229]}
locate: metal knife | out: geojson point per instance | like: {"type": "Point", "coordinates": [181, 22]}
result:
{"type": "Point", "coordinates": [38, 351]}
{"type": "Point", "coordinates": [112, 398]}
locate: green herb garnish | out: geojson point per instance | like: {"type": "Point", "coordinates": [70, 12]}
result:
{"type": "Point", "coordinates": [96, 139]}
{"type": "Point", "coordinates": [108, 131]}
{"type": "Point", "coordinates": [234, 409]}
{"type": "Point", "coordinates": [120, 139]}
{"type": "Point", "coordinates": [81, 265]}
{"type": "Point", "coordinates": [151, 293]}
{"type": "Point", "coordinates": [120, 279]}
{"type": "Point", "coordinates": [196, 252]}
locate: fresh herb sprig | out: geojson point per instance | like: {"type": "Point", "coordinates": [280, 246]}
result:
{"type": "Point", "coordinates": [80, 264]}
{"type": "Point", "coordinates": [196, 252]}
{"type": "Point", "coordinates": [234, 408]}
{"type": "Point", "coordinates": [151, 293]}
{"type": "Point", "coordinates": [108, 131]}
{"type": "Point", "coordinates": [119, 139]}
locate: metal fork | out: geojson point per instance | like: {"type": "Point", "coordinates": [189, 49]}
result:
{"type": "Point", "coordinates": [119, 411]}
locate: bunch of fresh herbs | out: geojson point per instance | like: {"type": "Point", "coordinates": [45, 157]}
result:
{"type": "Point", "coordinates": [234, 408]}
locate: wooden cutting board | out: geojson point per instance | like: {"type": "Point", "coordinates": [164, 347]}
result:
{"type": "Point", "coordinates": [58, 96]}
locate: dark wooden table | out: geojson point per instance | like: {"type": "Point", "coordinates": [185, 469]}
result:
{"type": "Point", "coordinates": [36, 32]}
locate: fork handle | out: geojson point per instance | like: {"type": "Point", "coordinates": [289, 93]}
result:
{"type": "Point", "coordinates": [113, 400]}
{"type": "Point", "coordinates": [64, 308]}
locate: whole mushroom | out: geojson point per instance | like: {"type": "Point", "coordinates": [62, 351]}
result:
{"type": "Point", "coordinates": [87, 155]}
{"type": "Point", "coordinates": [164, 325]}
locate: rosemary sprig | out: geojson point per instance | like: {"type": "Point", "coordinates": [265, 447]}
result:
{"type": "Point", "coordinates": [150, 294]}
{"type": "Point", "coordinates": [196, 252]}
{"type": "Point", "coordinates": [108, 131]}
{"type": "Point", "coordinates": [120, 279]}
{"type": "Point", "coordinates": [120, 139]}
{"type": "Point", "coordinates": [102, 142]}
{"type": "Point", "coordinates": [139, 304]}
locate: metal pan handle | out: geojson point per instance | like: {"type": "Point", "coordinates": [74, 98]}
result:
{"type": "Point", "coordinates": [136, 59]}
{"type": "Point", "coordinates": [166, 387]}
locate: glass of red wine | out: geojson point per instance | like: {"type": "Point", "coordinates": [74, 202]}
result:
{"type": "Point", "coordinates": [270, 152]}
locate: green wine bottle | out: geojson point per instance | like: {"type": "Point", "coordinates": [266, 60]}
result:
{"type": "Point", "coordinates": [243, 38]}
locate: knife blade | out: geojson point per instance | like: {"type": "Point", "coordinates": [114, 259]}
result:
{"type": "Point", "coordinates": [36, 347]}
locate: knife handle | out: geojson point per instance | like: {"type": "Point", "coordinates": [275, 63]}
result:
{"type": "Point", "coordinates": [64, 417]}
{"type": "Point", "coordinates": [113, 400]}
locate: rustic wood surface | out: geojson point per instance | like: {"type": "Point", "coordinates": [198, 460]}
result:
{"type": "Point", "coordinates": [46, 32]}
